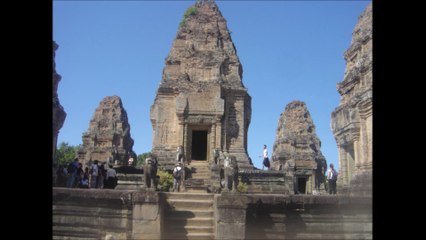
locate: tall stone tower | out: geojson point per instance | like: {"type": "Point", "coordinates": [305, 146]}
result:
{"type": "Point", "coordinates": [108, 137]}
{"type": "Point", "coordinates": [297, 149]}
{"type": "Point", "coordinates": [352, 120]}
{"type": "Point", "coordinates": [58, 113]}
{"type": "Point", "coordinates": [201, 103]}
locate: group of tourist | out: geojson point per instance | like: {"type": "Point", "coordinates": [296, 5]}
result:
{"type": "Point", "coordinates": [97, 176]}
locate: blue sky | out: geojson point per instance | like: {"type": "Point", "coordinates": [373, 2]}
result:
{"type": "Point", "coordinates": [290, 50]}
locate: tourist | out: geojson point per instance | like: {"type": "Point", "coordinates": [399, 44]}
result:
{"type": "Point", "coordinates": [266, 162]}
{"type": "Point", "coordinates": [177, 175]}
{"type": "Point", "coordinates": [84, 182]}
{"type": "Point", "coordinates": [72, 173]}
{"type": "Point", "coordinates": [111, 178]}
{"type": "Point", "coordinates": [94, 174]}
{"type": "Point", "coordinates": [101, 175]}
{"type": "Point", "coordinates": [332, 178]}
{"type": "Point", "coordinates": [130, 161]}
{"type": "Point", "coordinates": [62, 176]}
{"type": "Point", "coordinates": [79, 175]}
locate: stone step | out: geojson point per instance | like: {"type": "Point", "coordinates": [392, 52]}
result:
{"type": "Point", "coordinates": [189, 229]}
{"type": "Point", "coordinates": [200, 236]}
{"type": "Point", "coordinates": [200, 172]}
{"type": "Point", "coordinates": [200, 176]}
{"type": "Point", "coordinates": [184, 204]}
{"type": "Point", "coordinates": [189, 196]}
{"type": "Point", "coordinates": [203, 189]}
{"type": "Point", "coordinates": [199, 163]}
{"type": "Point", "coordinates": [330, 236]}
{"type": "Point", "coordinates": [190, 214]}
{"type": "Point", "coordinates": [185, 222]}
{"type": "Point", "coordinates": [70, 232]}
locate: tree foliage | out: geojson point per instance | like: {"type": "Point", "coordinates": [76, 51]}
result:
{"type": "Point", "coordinates": [65, 153]}
{"type": "Point", "coordinates": [189, 12]}
{"type": "Point", "coordinates": [166, 180]}
{"type": "Point", "coordinates": [141, 158]}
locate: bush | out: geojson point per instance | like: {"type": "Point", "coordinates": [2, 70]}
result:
{"type": "Point", "coordinates": [242, 187]}
{"type": "Point", "coordinates": [166, 180]}
{"type": "Point", "coordinates": [141, 158]}
{"type": "Point", "coordinates": [191, 11]}
{"type": "Point", "coordinates": [65, 153]}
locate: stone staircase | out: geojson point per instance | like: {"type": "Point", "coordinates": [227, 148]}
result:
{"type": "Point", "coordinates": [200, 180]}
{"type": "Point", "coordinates": [189, 216]}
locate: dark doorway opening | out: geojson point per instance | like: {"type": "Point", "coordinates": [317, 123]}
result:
{"type": "Point", "coordinates": [199, 145]}
{"type": "Point", "coordinates": [301, 185]}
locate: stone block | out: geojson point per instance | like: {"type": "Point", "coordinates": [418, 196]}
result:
{"type": "Point", "coordinates": [226, 230]}
{"type": "Point", "coordinates": [145, 211]}
{"type": "Point", "coordinates": [231, 215]}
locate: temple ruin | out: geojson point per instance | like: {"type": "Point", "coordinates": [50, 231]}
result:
{"type": "Point", "coordinates": [58, 113]}
{"type": "Point", "coordinates": [352, 120]}
{"type": "Point", "coordinates": [203, 106]}
{"type": "Point", "coordinates": [108, 137]}
{"type": "Point", "coordinates": [201, 103]}
{"type": "Point", "coordinates": [297, 149]}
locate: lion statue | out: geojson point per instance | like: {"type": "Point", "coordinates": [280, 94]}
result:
{"type": "Point", "coordinates": [150, 172]}
{"type": "Point", "coordinates": [179, 154]}
{"type": "Point", "coordinates": [230, 173]}
{"type": "Point", "coordinates": [216, 156]}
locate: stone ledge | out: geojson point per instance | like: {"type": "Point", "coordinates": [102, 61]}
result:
{"type": "Point", "coordinates": [308, 199]}
{"type": "Point", "coordinates": [60, 193]}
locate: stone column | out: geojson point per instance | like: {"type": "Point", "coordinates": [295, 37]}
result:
{"type": "Point", "coordinates": [357, 154]}
{"type": "Point", "coordinates": [365, 112]}
{"type": "Point", "coordinates": [350, 165]}
{"type": "Point", "coordinates": [309, 182]}
{"type": "Point", "coordinates": [219, 143]}
{"type": "Point", "coordinates": [181, 132]}
{"type": "Point", "coordinates": [343, 167]}
{"type": "Point", "coordinates": [369, 128]}
{"type": "Point", "coordinates": [146, 215]}
{"type": "Point", "coordinates": [185, 142]}
{"type": "Point", "coordinates": [212, 145]}
{"type": "Point", "coordinates": [230, 216]}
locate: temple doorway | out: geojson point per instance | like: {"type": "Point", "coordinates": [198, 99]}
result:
{"type": "Point", "coordinates": [301, 185]}
{"type": "Point", "coordinates": [199, 145]}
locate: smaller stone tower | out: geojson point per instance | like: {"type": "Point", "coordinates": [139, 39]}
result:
{"type": "Point", "coordinates": [108, 137]}
{"type": "Point", "coordinates": [297, 149]}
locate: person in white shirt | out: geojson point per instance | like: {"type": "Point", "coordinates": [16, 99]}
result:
{"type": "Point", "coordinates": [94, 175]}
{"type": "Point", "coordinates": [332, 178]}
{"type": "Point", "coordinates": [266, 162]}
{"type": "Point", "coordinates": [177, 177]}
{"type": "Point", "coordinates": [111, 178]}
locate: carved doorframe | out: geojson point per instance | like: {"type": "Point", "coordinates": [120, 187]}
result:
{"type": "Point", "coordinates": [198, 127]}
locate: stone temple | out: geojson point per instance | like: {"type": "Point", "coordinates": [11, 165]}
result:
{"type": "Point", "coordinates": [201, 103]}
{"type": "Point", "coordinates": [108, 137]}
{"type": "Point", "coordinates": [352, 120]}
{"type": "Point", "coordinates": [297, 149]}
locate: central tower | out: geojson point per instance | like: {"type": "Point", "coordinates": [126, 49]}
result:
{"type": "Point", "coordinates": [201, 103]}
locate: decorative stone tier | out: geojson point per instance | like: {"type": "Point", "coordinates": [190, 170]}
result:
{"type": "Point", "coordinates": [260, 181]}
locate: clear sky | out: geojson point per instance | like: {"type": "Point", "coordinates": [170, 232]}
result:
{"type": "Point", "coordinates": [290, 50]}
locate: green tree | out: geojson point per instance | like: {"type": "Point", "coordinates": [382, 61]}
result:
{"type": "Point", "coordinates": [141, 158]}
{"type": "Point", "coordinates": [166, 180]}
{"type": "Point", "coordinates": [66, 153]}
